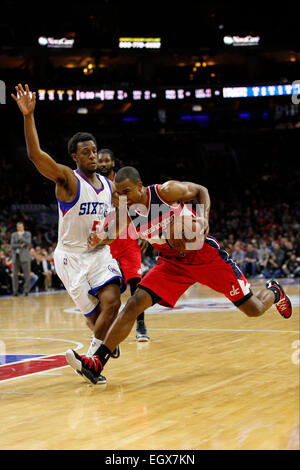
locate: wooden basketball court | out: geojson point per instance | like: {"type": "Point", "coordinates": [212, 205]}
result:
{"type": "Point", "coordinates": [210, 378]}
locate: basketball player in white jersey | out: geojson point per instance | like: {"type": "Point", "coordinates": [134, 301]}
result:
{"type": "Point", "coordinates": [92, 278]}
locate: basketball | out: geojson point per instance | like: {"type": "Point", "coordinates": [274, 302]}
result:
{"type": "Point", "coordinates": [186, 233]}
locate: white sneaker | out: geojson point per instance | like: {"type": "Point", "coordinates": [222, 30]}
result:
{"type": "Point", "coordinates": [141, 331]}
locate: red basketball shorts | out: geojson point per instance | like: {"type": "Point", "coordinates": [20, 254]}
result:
{"type": "Point", "coordinates": [211, 266]}
{"type": "Point", "coordinates": [128, 254]}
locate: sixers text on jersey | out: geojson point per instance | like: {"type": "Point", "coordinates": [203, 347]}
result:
{"type": "Point", "coordinates": [93, 208]}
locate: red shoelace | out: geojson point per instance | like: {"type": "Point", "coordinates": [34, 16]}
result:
{"type": "Point", "coordinates": [92, 361]}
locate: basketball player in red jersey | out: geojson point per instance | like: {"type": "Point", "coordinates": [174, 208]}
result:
{"type": "Point", "coordinates": [173, 273]}
{"type": "Point", "coordinates": [126, 251]}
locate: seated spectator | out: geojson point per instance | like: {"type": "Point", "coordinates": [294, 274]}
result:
{"type": "Point", "coordinates": [38, 249]}
{"type": "Point", "coordinates": [287, 247]}
{"type": "Point", "coordinates": [47, 273]}
{"type": "Point", "coordinates": [263, 254]}
{"type": "Point", "coordinates": [37, 268]}
{"type": "Point", "coordinates": [50, 235]}
{"type": "Point", "coordinates": [238, 255]}
{"type": "Point", "coordinates": [270, 267]}
{"type": "Point", "coordinates": [278, 253]}
{"type": "Point", "coordinates": [33, 280]}
{"type": "Point", "coordinates": [291, 268]}
{"type": "Point", "coordinates": [250, 260]}
{"type": "Point", "coordinates": [5, 277]}
{"type": "Point", "coordinates": [37, 239]}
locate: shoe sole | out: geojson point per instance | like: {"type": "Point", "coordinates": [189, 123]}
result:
{"type": "Point", "coordinates": [77, 372]}
{"type": "Point", "coordinates": [77, 366]}
{"type": "Point", "coordinates": [143, 339]}
{"type": "Point", "coordinates": [100, 382]}
{"type": "Point", "coordinates": [73, 361]}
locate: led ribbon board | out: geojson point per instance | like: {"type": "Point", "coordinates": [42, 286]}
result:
{"type": "Point", "coordinates": [139, 43]}
{"type": "Point", "coordinates": [120, 95]}
{"type": "Point", "coordinates": [260, 91]}
{"type": "Point", "coordinates": [168, 94]}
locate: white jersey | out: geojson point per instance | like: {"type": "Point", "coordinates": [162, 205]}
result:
{"type": "Point", "coordinates": [86, 213]}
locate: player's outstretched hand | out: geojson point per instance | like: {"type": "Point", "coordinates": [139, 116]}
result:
{"type": "Point", "coordinates": [25, 99]}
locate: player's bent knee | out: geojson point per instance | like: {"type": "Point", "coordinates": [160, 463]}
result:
{"type": "Point", "coordinates": [136, 304]}
{"type": "Point", "coordinates": [252, 307]}
{"type": "Point", "coordinates": [132, 308]}
{"type": "Point", "coordinates": [112, 307]}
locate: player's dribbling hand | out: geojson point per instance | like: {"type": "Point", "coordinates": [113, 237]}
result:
{"type": "Point", "coordinates": [96, 239]}
{"type": "Point", "coordinates": [25, 99]}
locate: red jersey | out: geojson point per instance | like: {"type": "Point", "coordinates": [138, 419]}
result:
{"type": "Point", "coordinates": [174, 272]}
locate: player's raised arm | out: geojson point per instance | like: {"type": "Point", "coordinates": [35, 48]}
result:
{"type": "Point", "coordinates": [177, 191]}
{"type": "Point", "coordinates": [45, 164]}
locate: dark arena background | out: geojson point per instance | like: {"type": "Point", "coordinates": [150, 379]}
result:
{"type": "Point", "coordinates": [205, 92]}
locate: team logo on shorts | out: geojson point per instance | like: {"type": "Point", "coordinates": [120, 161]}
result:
{"type": "Point", "coordinates": [234, 291]}
{"type": "Point", "coordinates": [113, 269]}
{"type": "Point", "coordinates": [65, 260]}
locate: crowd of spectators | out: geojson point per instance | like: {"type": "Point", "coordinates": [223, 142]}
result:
{"type": "Point", "coordinates": [264, 249]}
{"type": "Point", "coordinates": [251, 176]}
{"type": "Point", "coordinates": [43, 277]}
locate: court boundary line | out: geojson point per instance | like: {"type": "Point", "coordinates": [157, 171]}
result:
{"type": "Point", "coordinates": [149, 328]}
{"type": "Point", "coordinates": [79, 345]}
{"type": "Point", "coordinates": [42, 357]}
{"type": "Point", "coordinates": [33, 373]}
{"type": "Point", "coordinates": [224, 329]}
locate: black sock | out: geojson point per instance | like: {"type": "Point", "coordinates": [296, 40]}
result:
{"type": "Point", "coordinates": [276, 293]}
{"type": "Point", "coordinates": [141, 317]}
{"type": "Point", "coordinates": [133, 286]}
{"type": "Point", "coordinates": [103, 353]}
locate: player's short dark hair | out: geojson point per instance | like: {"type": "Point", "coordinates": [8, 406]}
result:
{"type": "Point", "coordinates": [128, 172]}
{"type": "Point", "coordinates": [79, 137]}
{"type": "Point", "coordinates": [109, 152]}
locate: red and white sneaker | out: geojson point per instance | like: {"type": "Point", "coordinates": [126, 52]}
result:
{"type": "Point", "coordinates": [282, 302]}
{"type": "Point", "coordinates": [89, 367]}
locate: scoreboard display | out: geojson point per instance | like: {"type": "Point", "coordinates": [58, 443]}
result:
{"type": "Point", "coordinates": [166, 94]}
{"type": "Point", "coordinates": [77, 95]}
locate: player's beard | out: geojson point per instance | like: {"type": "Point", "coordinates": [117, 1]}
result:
{"type": "Point", "coordinates": [91, 172]}
{"type": "Point", "coordinates": [106, 172]}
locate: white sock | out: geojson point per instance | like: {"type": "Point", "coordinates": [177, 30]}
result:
{"type": "Point", "coordinates": [95, 344]}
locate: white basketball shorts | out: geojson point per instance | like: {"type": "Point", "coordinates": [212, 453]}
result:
{"type": "Point", "coordinates": [83, 274]}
